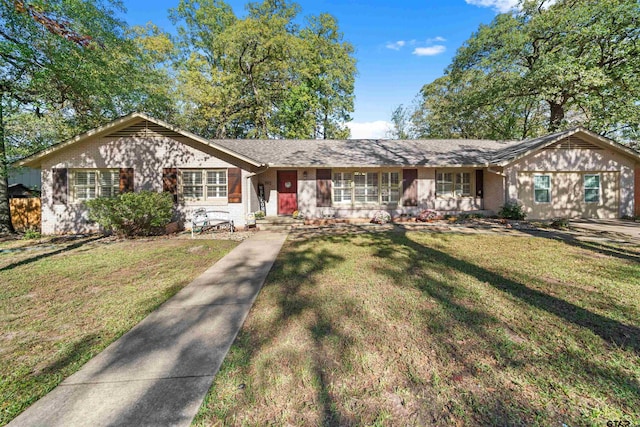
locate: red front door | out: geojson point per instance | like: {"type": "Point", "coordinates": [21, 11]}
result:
{"type": "Point", "coordinates": [287, 192]}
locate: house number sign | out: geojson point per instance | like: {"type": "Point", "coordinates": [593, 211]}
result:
{"type": "Point", "coordinates": [287, 184]}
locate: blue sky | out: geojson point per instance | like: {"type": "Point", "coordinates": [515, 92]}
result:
{"type": "Point", "coordinates": [399, 46]}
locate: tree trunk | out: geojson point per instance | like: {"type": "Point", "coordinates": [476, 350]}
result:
{"type": "Point", "coordinates": [5, 211]}
{"type": "Point", "coordinates": [556, 115]}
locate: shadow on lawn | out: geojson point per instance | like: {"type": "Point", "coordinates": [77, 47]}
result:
{"type": "Point", "coordinates": [293, 274]}
{"type": "Point", "coordinates": [428, 265]}
{"type": "Point", "coordinates": [478, 394]}
{"type": "Point", "coordinates": [50, 254]}
{"type": "Point", "coordinates": [612, 331]}
{"type": "Point", "coordinates": [600, 246]}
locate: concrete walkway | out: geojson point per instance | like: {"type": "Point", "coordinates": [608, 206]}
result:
{"type": "Point", "coordinates": [159, 372]}
{"type": "Point", "coordinates": [609, 226]}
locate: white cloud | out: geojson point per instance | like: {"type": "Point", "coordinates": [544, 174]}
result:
{"type": "Point", "coordinates": [501, 6]}
{"type": "Point", "coordinates": [429, 51]}
{"type": "Point", "coordinates": [436, 39]}
{"type": "Point", "coordinates": [369, 130]}
{"type": "Point", "coordinates": [396, 45]}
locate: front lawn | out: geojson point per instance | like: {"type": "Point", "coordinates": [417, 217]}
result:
{"type": "Point", "coordinates": [63, 301]}
{"type": "Point", "coordinates": [437, 329]}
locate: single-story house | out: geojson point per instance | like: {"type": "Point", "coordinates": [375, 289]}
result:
{"type": "Point", "coordinates": [574, 173]}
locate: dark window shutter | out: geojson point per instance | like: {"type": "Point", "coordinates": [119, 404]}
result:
{"type": "Point", "coordinates": [60, 186]}
{"type": "Point", "coordinates": [234, 175]}
{"type": "Point", "coordinates": [410, 187]}
{"type": "Point", "coordinates": [323, 187]}
{"type": "Point", "coordinates": [479, 183]}
{"type": "Point", "coordinates": [170, 182]}
{"type": "Point", "coordinates": [126, 180]}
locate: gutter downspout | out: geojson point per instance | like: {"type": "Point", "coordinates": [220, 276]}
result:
{"type": "Point", "coordinates": [246, 195]}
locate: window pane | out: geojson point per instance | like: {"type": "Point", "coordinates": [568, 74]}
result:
{"type": "Point", "coordinates": [192, 191]}
{"type": "Point", "coordinates": [216, 191]}
{"type": "Point", "coordinates": [591, 195]}
{"type": "Point", "coordinates": [592, 181]}
{"type": "Point", "coordinates": [342, 187]}
{"type": "Point", "coordinates": [107, 178]}
{"type": "Point", "coordinates": [541, 196]}
{"type": "Point", "coordinates": [444, 183]}
{"type": "Point", "coordinates": [107, 192]}
{"type": "Point", "coordinates": [542, 182]}
{"type": "Point", "coordinates": [463, 184]}
{"type": "Point", "coordinates": [192, 178]}
{"type": "Point", "coordinates": [592, 188]}
{"type": "Point", "coordinates": [85, 178]}
{"type": "Point", "coordinates": [391, 195]}
{"type": "Point", "coordinates": [216, 177]}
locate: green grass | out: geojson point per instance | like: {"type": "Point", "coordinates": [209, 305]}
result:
{"type": "Point", "coordinates": [63, 301]}
{"type": "Point", "coordinates": [437, 329]}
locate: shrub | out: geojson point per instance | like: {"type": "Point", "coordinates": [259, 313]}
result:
{"type": "Point", "coordinates": [31, 234]}
{"type": "Point", "coordinates": [428, 215]}
{"type": "Point", "coordinates": [381, 217]}
{"type": "Point", "coordinates": [133, 214]}
{"type": "Point", "coordinates": [512, 211]}
{"type": "Point", "coordinates": [259, 214]}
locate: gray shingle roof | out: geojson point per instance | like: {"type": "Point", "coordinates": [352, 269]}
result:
{"type": "Point", "coordinates": [367, 152]}
{"type": "Point", "coordinates": [519, 149]}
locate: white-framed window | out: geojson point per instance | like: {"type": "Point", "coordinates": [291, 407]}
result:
{"type": "Point", "coordinates": [390, 187]}
{"type": "Point", "coordinates": [592, 188]}
{"type": "Point", "coordinates": [203, 184]}
{"type": "Point", "coordinates": [542, 188]}
{"type": "Point", "coordinates": [342, 187]}
{"type": "Point", "coordinates": [357, 187]}
{"type": "Point", "coordinates": [456, 184]}
{"type": "Point", "coordinates": [462, 184]}
{"type": "Point", "coordinates": [87, 184]}
{"type": "Point", "coordinates": [216, 184]}
{"type": "Point", "coordinates": [366, 187]}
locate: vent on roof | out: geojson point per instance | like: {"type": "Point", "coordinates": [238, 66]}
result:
{"type": "Point", "coordinates": [144, 129]}
{"type": "Point", "coordinates": [573, 143]}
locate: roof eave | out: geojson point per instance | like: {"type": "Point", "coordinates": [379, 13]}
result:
{"type": "Point", "coordinates": [601, 139]}
{"type": "Point", "coordinates": [35, 159]}
{"type": "Point", "coordinates": [351, 166]}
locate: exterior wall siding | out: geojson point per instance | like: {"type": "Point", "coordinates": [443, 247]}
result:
{"type": "Point", "coordinates": [568, 167]}
{"type": "Point", "coordinates": [147, 156]}
{"type": "Point", "coordinates": [493, 190]}
{"type": "Point", "coordinates": [426, 187]}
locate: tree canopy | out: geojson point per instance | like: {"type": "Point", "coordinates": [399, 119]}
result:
{"type": "Point", "coordinates": [547, 66]}
{"type": "Point", "coordinates": [264, 75]}
{"type": "Point", "coordinates": [74, 65]}
{"type": "Point", "coordinates": [69, 65]}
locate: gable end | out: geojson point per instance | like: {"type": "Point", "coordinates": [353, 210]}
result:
{"type": "Point", "coordinates": [144, 129]}
{"type": "Point", "coordinates": [573, 143]}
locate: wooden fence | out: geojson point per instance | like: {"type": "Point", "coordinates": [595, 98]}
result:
{"type": "Point", "coordinates": [25, 213]}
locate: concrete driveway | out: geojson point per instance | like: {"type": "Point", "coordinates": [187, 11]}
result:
{"type": "Point", "coordinates": [616, 227]}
